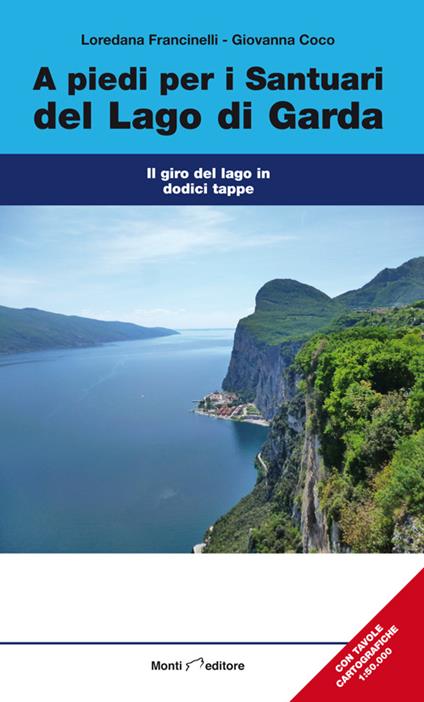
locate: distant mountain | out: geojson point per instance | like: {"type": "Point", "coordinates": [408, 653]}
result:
{"type": "Point", "coordinates": [390, 288]}
{"type": "Point", "coordinates": [288, 310]}
{"type": "Point", "coordinates": [31, 329]}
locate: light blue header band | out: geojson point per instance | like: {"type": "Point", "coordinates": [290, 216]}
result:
{"type": "Point", "coordinates": [366, 35]}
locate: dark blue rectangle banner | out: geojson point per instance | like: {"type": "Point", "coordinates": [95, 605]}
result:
{"type": "Point", "coordinates": [212, 179]}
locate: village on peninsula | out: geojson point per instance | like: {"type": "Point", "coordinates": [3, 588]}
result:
{"type": "Point", "coordinates": [228, 405]}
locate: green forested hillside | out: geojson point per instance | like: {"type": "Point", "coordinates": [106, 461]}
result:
{"type": "Point", "coordinates": [356, 428]}
{"type": "Point", "coordinates": [342, 468]}
{"type": "Point", "coordinates": [32, 330]}
{"type": "Point", "coordinates": [366, 387]}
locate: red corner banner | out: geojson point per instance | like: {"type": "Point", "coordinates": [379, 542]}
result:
{"type": "Point", "coordinates": [384, 661]}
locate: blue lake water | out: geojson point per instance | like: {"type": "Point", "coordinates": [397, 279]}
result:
{"type": "Point", "coordinates": [99, 451]}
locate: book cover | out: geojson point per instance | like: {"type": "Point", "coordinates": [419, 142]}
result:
{"type": "Point", "coordinates": [211, 352]}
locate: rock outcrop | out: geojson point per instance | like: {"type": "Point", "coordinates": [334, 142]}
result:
{"type": "Point", "coordinates": [266, 342]}
{"type": "Point", "coordinates": [259, 372]}
{"type": "Point", "coordinates": [313, 523]}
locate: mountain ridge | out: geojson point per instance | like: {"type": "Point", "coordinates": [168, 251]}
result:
{"type": "Point", "coordinates": [31, 329]}
{"type": "Point", "coordinates": [390, 287]}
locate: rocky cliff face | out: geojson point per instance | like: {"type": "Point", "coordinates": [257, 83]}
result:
{"type": "Point", "coordinates": [260, 372]}
{"type": "Point", "coordinates": [281, 453]}
{"type": "Point", "coordinates": [312, 520]}
{"type": "Point", "coordinates": [294, 469]}
{"type": "Point", "coordinates": [266, 342]}
{"type": "Point", "coordinates": [289, 471]}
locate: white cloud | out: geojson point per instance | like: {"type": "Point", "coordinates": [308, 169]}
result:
{"type": "Point", "coordinates": [193, 231]}
{"type": "Point", "coordinates": [115, 238]}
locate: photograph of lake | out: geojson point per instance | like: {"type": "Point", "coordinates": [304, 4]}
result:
{"type": "Point", "coordinates": [206, 380]}
{"type": "Point", "coordinates": [102, 453]}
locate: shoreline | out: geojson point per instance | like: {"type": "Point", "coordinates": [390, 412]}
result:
{"type": "Point", "coordinates": [258, 422]}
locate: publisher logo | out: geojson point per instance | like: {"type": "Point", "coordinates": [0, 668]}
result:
{"type": "Point", "coordinates": [196, 664]}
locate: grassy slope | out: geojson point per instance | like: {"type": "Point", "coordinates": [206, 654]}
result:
{"type": "Point", "coordinates": [290, 311]}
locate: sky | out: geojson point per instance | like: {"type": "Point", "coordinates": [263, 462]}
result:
{"type": "Point", "coordinates": [192, 267]}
